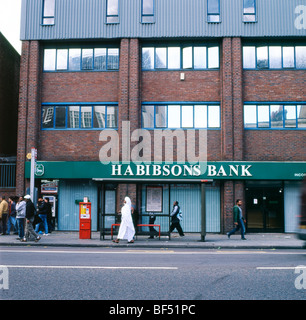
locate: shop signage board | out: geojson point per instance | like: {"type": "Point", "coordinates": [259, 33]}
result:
{"type": "Point", "coordinates": [237, 170]}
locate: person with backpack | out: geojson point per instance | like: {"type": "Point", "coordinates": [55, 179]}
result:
{"type": "Point", "coordinates": [30, 214]}
{"type": "Point", "coordinates": [175, 219]}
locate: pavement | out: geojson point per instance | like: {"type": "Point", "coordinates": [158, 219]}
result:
{"type": "Point", "coordinates": [263, 241]}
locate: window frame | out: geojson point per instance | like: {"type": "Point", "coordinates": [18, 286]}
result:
{"type": "Point", "coordinates": [249, 14]}
{"type": "Point", "coordinates": [216, 14]}
{"type": "Point", "coordinates": [146, 15]}
{"type": "Point", "coordinates": [181, 105]}
{"type": "Point", "coordinates": [109, 16]}
{"type": "Point", "coordinates": [271, 104]}
{"type": "Point", "coordinates": [92, 105]}
{"type": "Point", "coordinates": [81, 69]}
{"type": "Point", "coordinates": [182, 46]}
{"type": "Point", "coordinates": [48, 16]}
{"type": "Point", "coordinates": [274, 44]}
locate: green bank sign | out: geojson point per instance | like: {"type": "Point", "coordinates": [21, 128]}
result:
{"type": "Point", "coordinates": [175, 171]}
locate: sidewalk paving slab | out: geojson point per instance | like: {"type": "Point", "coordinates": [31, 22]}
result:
{"type": "Point", "coordinates": [191, 240]}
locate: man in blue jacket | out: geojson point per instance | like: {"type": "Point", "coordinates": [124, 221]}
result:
{"type": "Point", "coordinates": [238, 220]}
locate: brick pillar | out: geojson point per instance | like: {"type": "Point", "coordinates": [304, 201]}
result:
{"type": "Point", "coordinates": [28, 110]}
{"type": "Point", "coordinates": [227, 101]}
{"type": "Point", "coordinates": [129, 105]}
{"type": "Point", "coordinates": [227, 204]}
{"type": "Point", "coordinates": [237, 100]}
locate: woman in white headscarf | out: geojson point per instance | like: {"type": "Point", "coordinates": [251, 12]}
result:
{"type": "Point", "coordinates": [126, 230]}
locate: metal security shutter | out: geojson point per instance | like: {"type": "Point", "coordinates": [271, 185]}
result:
{"type": "Point", "coordinates": [292, 193]}
{"type": "Point", "coordinates": [68, 210]}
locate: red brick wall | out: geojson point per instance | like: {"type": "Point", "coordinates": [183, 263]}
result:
{"type": "Point", "coordinates": [80, 87]}
{"type": "Point", "coordinates": [274, 86]}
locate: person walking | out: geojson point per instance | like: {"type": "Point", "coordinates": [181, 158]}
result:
{"type": "Point", "coordinates": [126, 229]}
{"type": "Point", "coordinates": [175, 221]}
{"type": "Point", "coordinates": [42, 213]}
{"type": "Point", "coordinates": [30, 213]}
{"type": "Point", "coordinates": [11, 221]}
{"type": "Point", "coordinates": [4, 211]}
{"type": "Point", "coordinates": [20, 217]}
{"type": "Point", "coordinates": [153, 231]}
{"type": "Point", "coordinates": [238, 220]}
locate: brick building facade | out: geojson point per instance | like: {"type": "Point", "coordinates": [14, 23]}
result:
{"type": "Point", "coordinates": [134, 92]}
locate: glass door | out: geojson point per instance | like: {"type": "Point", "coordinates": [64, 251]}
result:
{"type": "Point", "coordinates": [265, 209]}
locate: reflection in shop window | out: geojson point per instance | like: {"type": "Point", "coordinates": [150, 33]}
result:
{"type": "Point", "coordinates": [275, 57]}
{"type": "Point", "coordinates": [184, 57]}
{"type": "Point", "coordinates": [161, 116]}
{"type": "Point", "coordinates": [112, 117]}
{"type": "Point", "coordinates": [62, 59]}
{"type": "Point", "coordinates": [73, 117]}
{"type": "Point", "coordinates": [100, 59]}
{"type": "Point", "coordinates": [47, 117]}
{"type": "Point", "coordinates": [87, 59]}
{"type": "Point", "coordinates": [290, 116]}
{"type": "Point", "coordinates": [288, 57]}
{"type": "Point", "coordinates": [301, 57]}
{"type": "Point", "coordinates": [99, 117]}
{"type": "Point", "coordinates": [75, 59]}
{"type": "Point", "coordinates": [262, 57]}
{"type": "Point", "coordinates": [50, 59]}
{"type": "Point", "coordinates": [86, 117]}
{"type": "Point", "coordinates": [186, 116]}
{"type": "Point", "coordinates": [113, 59]}
{"type": "Point", "coordinates": [147, 116]}
{"type": "Point", "coordinates": [60, 117]}
{"type": "Point", "coordinates": [301, 116]}
{"type": "Point", "coordinates": [275, 116]}
{"type": "Point", "coordinates": [80, 117]}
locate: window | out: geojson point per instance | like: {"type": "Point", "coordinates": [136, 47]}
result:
{"type": "Point", "coordinates": [147, 15]}
{"type": "Point", "coordinates": [180, 58]}
{"type": "Point", "coordinates": [77, 59]}
{"type": "Point", "coordinates": [48, 12]}
{"type": "Point", "coordinates": [274, 57]}
{"type": "Point", "coordinates": [79, 117]}
{"type": "Point", "coordinates": [275, 116]}
{"type": "Point", "coordinates": [213, 10]}
{"type": "Point", "coordinates": [112, 15]}
{"type": "Point", "coordinates": [185, 116]}
{"type": "Point", "coordinates": [249, 11]}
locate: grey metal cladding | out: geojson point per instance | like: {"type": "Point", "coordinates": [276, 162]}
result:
{"type": "Point", "coordinates": [86, 19]}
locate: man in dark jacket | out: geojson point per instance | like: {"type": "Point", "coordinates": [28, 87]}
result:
{"type": "Point", "coordinates": [30, 214]}
{"type": "Point", "coordinates": [42, 212]}
{"type": "Point", "coordinates": [175, 221]}
{"type": "Point", "coordinates": [238, 220]}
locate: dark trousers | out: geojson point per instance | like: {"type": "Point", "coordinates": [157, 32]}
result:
{"type": "Point", "coordinates": [239, 226]}
{"type": "Point", "coordinates": [4, 221]}
{"type": "Point", "coordinates": [153, 232]}
{"type": "Point", "coordinates": [177, 226]}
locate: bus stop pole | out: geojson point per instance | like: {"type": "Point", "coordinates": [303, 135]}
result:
{"type": "Point", "coordinates": [203, 213]}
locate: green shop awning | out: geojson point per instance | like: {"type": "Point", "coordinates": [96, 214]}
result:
{"type": "Point", "coordinates": [238, 170]}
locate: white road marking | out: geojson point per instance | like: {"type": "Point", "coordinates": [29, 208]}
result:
{"type": "Point", "coordinates": [157, 251]}
{"type": "Point", "coordinates": [89, 267]}
{"type": "Point", "coordinates": [280, 268]}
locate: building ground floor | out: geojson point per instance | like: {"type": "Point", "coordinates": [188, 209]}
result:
{"type": "Point", "coordinates": [269, 205]}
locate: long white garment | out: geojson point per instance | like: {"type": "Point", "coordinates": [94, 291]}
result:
{"type": "Point", "coordinates": [126, 230]}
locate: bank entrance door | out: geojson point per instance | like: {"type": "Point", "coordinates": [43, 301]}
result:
{"type": "Point", "coordinates": [265, 209]}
